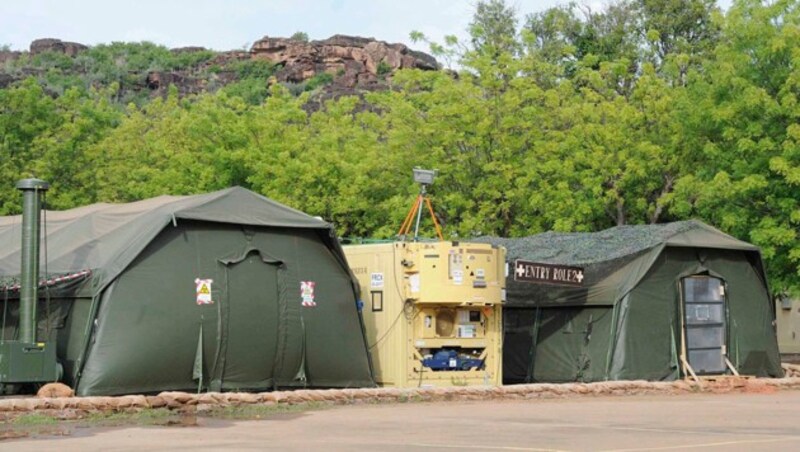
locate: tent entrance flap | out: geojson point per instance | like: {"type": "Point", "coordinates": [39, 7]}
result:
{"type": "Point", "coordinates": [705, 313]}
{"type": "Point", "coordinates": [250, 334]}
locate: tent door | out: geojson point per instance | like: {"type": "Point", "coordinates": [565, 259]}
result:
{"type": "Point", "coordinates": [704, 311]}
{"type": "Point", "coordinates": [251, 328]}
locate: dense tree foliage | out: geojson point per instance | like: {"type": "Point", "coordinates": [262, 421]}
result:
{"type": "Point", "coordinates": [570, 119]}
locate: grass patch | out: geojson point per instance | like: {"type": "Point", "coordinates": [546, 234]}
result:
{"type": "Point", "coordinates": [34, 419]}
{"type": "Point", "coordinates": [153, 416]}
{"type": "Point", "coordinates": [37, 424]}
{"type": "Point", "coordinates": [244, 412]}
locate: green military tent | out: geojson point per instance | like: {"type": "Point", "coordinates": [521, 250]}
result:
{"type": "Point", "coordinates": [222, 291]}
{"type": "Point", "coordinates": [654, 302]}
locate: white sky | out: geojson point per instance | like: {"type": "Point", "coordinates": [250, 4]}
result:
{"type": "Point", "coordinates": [235, 24]}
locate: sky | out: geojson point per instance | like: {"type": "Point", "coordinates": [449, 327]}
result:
{"type": "Point", "coordinates": [236, 24]}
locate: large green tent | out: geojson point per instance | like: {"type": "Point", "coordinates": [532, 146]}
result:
{"type": "Point", "coordinates": [654, 302]}
{"type": "Point", "coordinates": [222, 291]}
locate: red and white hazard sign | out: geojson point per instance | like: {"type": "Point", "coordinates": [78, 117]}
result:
{"type": "Point", "coordinates": [307, 293]}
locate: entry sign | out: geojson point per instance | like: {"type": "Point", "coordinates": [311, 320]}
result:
{"type": "Point", "coordinates": [535, 272]}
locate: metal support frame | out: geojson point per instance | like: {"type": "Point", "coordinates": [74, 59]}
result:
{"type": "Point", "coordinates": [416, 212]}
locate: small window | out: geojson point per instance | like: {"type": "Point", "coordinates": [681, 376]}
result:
{"type": "Point", "coordinates": [377, 300]}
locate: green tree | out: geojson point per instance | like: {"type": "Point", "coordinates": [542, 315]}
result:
{"type": "Point", "coordinates": [493, 29]}
{"type": "Point", "coordinates": [300, 36]}
{"type": "Point", "coordinates": [567, 34]}
{"type": "Point", "coordinates": [679, 26]}
{"type": "Point", "coordinates": [25, 114]}
{"type": "Point", "coordinates": [742, 118]}
{"type": "Point", "coordinates": [172, 147]}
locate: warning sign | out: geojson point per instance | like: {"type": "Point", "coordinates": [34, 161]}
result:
{"type": "Point", "coordinates": [203, 289]}
{"type": "Point", "coordinates": [307, 293]}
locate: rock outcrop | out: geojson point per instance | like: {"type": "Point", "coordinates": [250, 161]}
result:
{"type": "Point", "coordinates": [56, 45]}
{"type": "Point", "coordinates": [8, 55]}
{"type": "Point", "coordinates": [343, 65]}
{"type": "Point", "coordinates": [6, 81]}
{"type": "Point", "coordinates": [354, 62]}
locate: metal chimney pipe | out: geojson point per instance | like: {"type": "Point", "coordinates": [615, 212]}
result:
{"type": "Point", "coordinates": [29, 284]}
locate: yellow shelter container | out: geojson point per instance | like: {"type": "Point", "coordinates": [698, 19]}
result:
{"type": "Point", "coordinates": [433, 311]}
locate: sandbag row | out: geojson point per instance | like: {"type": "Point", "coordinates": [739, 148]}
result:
{"type": "Point", "coordinates": [181, 400]}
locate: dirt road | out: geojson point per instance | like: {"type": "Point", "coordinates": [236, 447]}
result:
{"type": "Point", "coordinates": [646, 423]}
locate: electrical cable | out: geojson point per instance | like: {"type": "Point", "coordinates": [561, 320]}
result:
{"type": "Point", "coordinates": [389, 330]}
{"type": "Point", "coordinates": [408, 305]}
{"type": "Point", "coordinates": [408, 316]}
{"type": "Point", "coordinates": [421, 371]}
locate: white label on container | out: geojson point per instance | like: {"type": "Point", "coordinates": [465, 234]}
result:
{"type": "Point", "coordinates": [479, 273]}
{"type": "Point", "coordinates": [376, 281]}
{"type": "Point", "coordinates": [413, 282]}
{"type": "Point", "coordinates": [458, 277]}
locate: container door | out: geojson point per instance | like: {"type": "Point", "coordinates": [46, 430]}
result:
{"type": "Point", "coordinates": [704, 307]}
{"type": "Point", "coordinates": [252, 324]}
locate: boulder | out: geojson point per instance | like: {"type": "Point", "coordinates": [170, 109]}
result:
{"type": "Point", "coordinates": [8, 55]}
{"type": "Point", "coordinates": [6, 80]}
{"type": "Point", "coordinates": [224, 58]}
{"type": "Point", "coordinates": [189, 49]}
{"type": "Point", "coordinates": [56, 45]}
{"type": "Point", "coordinates": [283, 51]}
{"type": "Point", "coordinates": [344, 41]}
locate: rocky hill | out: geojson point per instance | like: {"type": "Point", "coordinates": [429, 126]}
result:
{"type": "Point", "coordinates": [338, 65]}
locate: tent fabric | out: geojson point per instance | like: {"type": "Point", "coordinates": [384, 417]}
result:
{"type": "Point", "coordinates": [105, 238]}
{"type": "Point", "coordinates": [132, 323]}
{"type": "Point", "coordinates": [556, 345]}
{"type": "Point", "coordinates": [625, 322]}
{"type": "Point", "coordinates": [614, 260]}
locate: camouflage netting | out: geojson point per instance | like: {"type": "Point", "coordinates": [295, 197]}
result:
{"type": "Point", "coordinates": [609, 258]}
